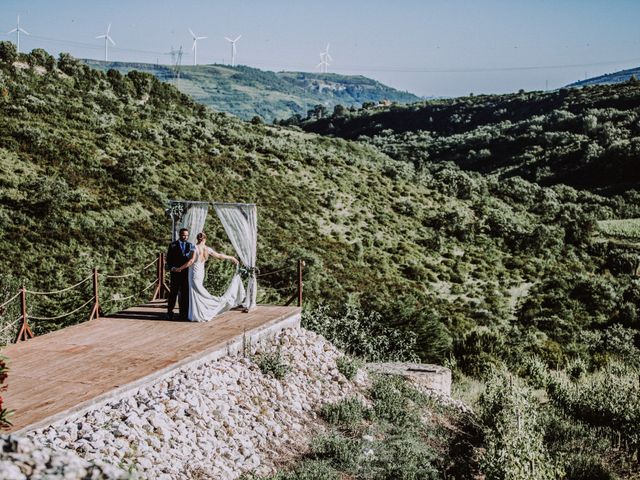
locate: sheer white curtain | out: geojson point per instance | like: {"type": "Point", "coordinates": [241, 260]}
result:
{"type": "Point", "coordinates": [240, 222]}
{"type": "Point", "coordinates": [194, 219]}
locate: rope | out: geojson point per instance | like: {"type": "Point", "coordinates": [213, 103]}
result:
{"type": "Point", "coordinates": [9, 325]}
{"type": "Point", "coordinates": [121, 299]}
{"type": "Point", "coordinates": [126, 275]}
{"type": "Point", "coordinates": [10, 300]}
{"type": "Point", "coordinates": [118, 276]}
{"type": "Point", "coordinates": [271, 273]}
{"type": "Point", "coordinates": [64, 314]}
{"type": "Point", "coordinates": [63, 290]}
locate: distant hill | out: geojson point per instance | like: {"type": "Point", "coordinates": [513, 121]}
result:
{"type": "Point", "coordinates": [609, 78]}
{"type": "Point", "coordinates": [247, 92]}
{"type": "Point", "coordinates": [588, 138]}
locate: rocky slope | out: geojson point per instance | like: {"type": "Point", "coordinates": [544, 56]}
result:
{"type": "Point", "coordinates": [209, 420]}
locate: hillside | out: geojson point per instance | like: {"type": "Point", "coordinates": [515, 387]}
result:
{"type": "Point", "coordinates": [586, 138]}
{"type": "Point", "coordinates": [406, 258]}
{"type": "Point", "coordinates": [247, 92]}
{"type": "Point", "coordinates": [608, 78]}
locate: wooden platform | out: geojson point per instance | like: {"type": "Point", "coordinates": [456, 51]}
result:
{"type": "Point", "coordinates": [54, 375]}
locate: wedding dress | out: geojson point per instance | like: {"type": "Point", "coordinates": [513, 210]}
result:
{"type": "Point", "coordinates": [202, 305]}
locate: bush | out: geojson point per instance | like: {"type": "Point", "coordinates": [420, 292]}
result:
{"type": "Point", "coordinates": [349, 366]}
{"type": "Point", "coordinates": [307, 470]}
{"type": "Point", "coordinates": [514, 434]}
{"type": "Point", "coordinates": [390, 400]}
{"type": "Point", "coordinates": [8, 53]}
{"type": "Point", "coordinates": [341, 452]}
{"type": "Point", "coordinates": [360, 333]}
{"type": "Point", "coordinates": [271, 363]}
{"type": "Point", "coordinates": [346, 413]}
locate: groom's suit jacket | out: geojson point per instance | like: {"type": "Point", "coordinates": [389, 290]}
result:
{"type": "Point", "coordinates": [176, 257]}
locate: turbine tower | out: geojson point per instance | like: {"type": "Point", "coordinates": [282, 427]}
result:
{"type": "Point", "coordinates": [17, 31]}
{"type": "Point", "coordinates": [195, 46]}
{"type": "Point", "coordinates": [324, 60]}
{"type": "Point", "coordinates": [107, 39]}
{"type": "Point", "coordinates": [233, 49]}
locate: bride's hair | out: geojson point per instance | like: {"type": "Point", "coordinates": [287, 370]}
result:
{"type": "Point", "coordinates": [203, 251]}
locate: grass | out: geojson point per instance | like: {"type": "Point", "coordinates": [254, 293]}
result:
{"type": "Point", "coordinates": [628, 229]}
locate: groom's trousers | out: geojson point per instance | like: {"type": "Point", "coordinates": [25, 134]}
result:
{"type": "Point", "coordinates": [179, 288]}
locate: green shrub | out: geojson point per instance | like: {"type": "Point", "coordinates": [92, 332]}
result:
{"type": "Point", "coordinates": [363, 334]}
{"type": "Point", "coordinates": [514, 434]}
{"type": "Point", "coordinates": [271, 363]}
{"type": "Point", "coordinates": [341, 452]}
{"type": "Point", "coordinates": [346, 413]}
{"type": "Point", "coordinates": [390, 400]}
{"type": "Point", "coordinates": [349, 366]}
{"type": "Point", "coordinates": [306, 470]}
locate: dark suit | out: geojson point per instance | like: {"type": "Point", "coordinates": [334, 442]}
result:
{"type": "Point", "coordinates": [179, 285]}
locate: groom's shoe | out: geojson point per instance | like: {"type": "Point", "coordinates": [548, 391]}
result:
{"type": "Point", "coordinates": [168, 316]}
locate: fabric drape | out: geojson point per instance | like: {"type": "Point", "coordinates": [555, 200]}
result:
{"type": "Point", "coordinates": [194, 219]}
{"type": "Point", "coordinates": [240, 222]}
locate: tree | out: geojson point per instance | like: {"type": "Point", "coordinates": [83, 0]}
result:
{"type": "Point", "coordinates": [8, 53]}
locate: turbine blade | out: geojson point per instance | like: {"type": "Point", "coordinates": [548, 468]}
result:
{"type": "Point", "coordinates": [12, 31]}
{"type": "Point", "coordinates": [101, 36]}
{"type": "Point", "coordinates": [328, 57]}
{"type": "Point", "coordinates": [238, 38]}
{"type": "Point", "coordinates": [24, 31]}
{"type": "Point", "coordinates": [202, 38]}
{"type": "Point", "coordinates": [111, 40]}
{"type": "Point", "coordinates": [192, 34]}
{"type": "Point", "coordinates": [108, 29]}
{"type": "Point", "coordinates": [195, 41]}
{"type": "Point", "coordinates": [228, 39]}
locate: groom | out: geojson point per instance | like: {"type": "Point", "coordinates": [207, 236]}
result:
{"type": "Point", "coordinates": [178, 254]}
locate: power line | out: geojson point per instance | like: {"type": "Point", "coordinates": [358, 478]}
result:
{"type": "Point", "coordinates": [364, 68]}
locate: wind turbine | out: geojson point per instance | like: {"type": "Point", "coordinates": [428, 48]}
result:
{"type": "Point", "coordinates": [195, 46]}
{"type": "Point", "coordinates": [233, 49]}
{"type": "Point", "coordinates": [324, 60]}
{"type": "Point", "coordinates": [107, 39]}
{"type": "Point", "coordinates": [17, 31]}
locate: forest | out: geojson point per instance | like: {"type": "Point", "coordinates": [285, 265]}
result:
{"type": "Point", "coordinates": [524, 284]}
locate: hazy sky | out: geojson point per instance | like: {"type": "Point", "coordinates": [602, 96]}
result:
{"type": "Point", "coordinates": [429, 47]}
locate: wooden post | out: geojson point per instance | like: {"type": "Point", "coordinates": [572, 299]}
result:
{"type": "Point", "coordinates": [163, 286]}
{"type": "Point", "coordinates": [157, 292]}
{"type": "Point", "coordinates": [300, 267]}
{"type": "Point", "coordinates": [95, 313]}
{"type": "Point", "coordinates": [25, 332]}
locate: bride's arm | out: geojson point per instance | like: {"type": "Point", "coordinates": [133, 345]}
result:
{"type": "Point", "coordinates": [222, 256]}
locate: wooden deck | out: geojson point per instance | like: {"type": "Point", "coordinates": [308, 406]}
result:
{"type": "Point", "coordinates": [53, 375]}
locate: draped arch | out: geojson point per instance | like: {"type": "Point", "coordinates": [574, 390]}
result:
{"type": "Point", "coordinates": [240, 223]}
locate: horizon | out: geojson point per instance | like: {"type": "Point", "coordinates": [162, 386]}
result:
{"type": "Point", "coordinates": [429, 49]}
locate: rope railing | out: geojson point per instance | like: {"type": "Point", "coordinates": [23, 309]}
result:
{"type": "Point", "coordinates": [121, 299]}
{"type": "Point", "coordinates": [22, 322]}
{"type": "Point", "coordinates": [131, 274]}
{"type": "Point", "coordinates": [33, 317]}
{"type": "Point", "coordinates": [10, 325]}
{"type": "Point", "coordinates": [54, 292]}
{"type": "Point", "coordinates": [160, 292]}
{"type": "Point", "coordinates": [7, 302]}
{"type": "Point", "coordinates": [272, 272]}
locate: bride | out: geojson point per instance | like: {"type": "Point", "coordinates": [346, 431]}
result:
{"type": "Point", "coordinates": [202, 305]}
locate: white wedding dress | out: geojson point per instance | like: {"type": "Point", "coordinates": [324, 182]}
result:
{"type": "Point", "coordinates": [202, 305]}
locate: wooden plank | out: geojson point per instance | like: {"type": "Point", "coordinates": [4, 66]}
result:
{"type": "Point", "coordinates": [55, 372]}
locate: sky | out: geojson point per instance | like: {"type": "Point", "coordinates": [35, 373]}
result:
{"type": "Point", "coordinates": [427, 47]}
